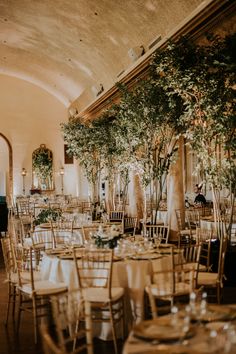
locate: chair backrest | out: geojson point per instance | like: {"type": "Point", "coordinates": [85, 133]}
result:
{"type": "Point", "coordinates": [26, 224]}
{"type": "Point", "coordinates": [203, 235]}
{"type": "Point", "coordinates": [159, 233]}
{"type": "Point", "coordinates": [62, 232]}
{"type": "Point", "coordinates": [24, 260]}
{"type": "Point", "coordinates": [115, 215]}
{"type": "Point", "coordinates": [8, 257]}
{"type": "Point", "coordinates": [68, 311]}
{"type": "Point", "coordinates": [221, 263]}
{"type": "Point", "coordinates": [191, 253]}
{"type": "Point", "coordinates": [42, 239]}
{"type": "Point", "coordinates": [86, 207]}
{"type": "Point", "coordinates": [130, 224]}
{"type": "Point", "coordinates": [193, 218]}
{"type": "Point", "coordinates": [23, 207]}
{"type": "Point", "coordinates": [169, 284]}
{"type": "Point", "coordinates": [88, 231]}
{"type": "Point", "coordinates": [94, 269]}
{"type": "Point", "coordinates": [180, 219]}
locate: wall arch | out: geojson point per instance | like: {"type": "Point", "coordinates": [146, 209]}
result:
{"type": "Point", "coordinates": [10, 159]}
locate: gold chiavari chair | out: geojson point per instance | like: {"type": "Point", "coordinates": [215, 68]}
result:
{"type": "Point", "coordinates": [116, 216]}
{"type": "Point", "coordinates": [158, 233]}
{"type": "Point", "coordinates": [42, 239]}
{"type": "Point", "coordinates": [215, 281]}
{"type": "Point", "coordinates": [185, 233]}
{"type": "Point", "coordinates": [204, 237]}
{"type": "Point", "coordinates": [11, 273]}
{"type": "Point", "coordinates": [34, 295]}
{"type": "Point", "coordinates": [87, 232]}
{"type": "Point", "coordinates": [168, 286]}
{"type": "Point", "coordinates": [62, 232]}
{"type": "Point", "coordinates": [130, 224]}
{"type": "Point", "coordinates": [94, 271]}
{"type": "Point", "coordinates": [73, 323]}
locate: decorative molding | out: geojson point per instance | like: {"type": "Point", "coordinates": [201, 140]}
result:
{"type": "Point", "coordinates": [201, 21]}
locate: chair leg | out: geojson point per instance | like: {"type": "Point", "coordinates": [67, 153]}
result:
{"type": "Point", "coordinates": [113, 328]}
{"type": "Point", "coordinates": [152, 304]}
{"type": "Point", "coordinates": [218, 294]}
{"type": "Point", "coordinates": [19, 313]}
{"type": "Point", "coordinates": [14, 302]}
{"type": "Point", "coordinates": [123, 317]}
{"type": "Point", "coordinates": [35, 319]}
{"type": "Point", "coordinates": [8, 302]}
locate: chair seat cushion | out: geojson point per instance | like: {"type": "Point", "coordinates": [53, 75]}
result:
{"type": "Point", "coordinates": [195, 266]}
{"type": "Point", "coordinates": [102, 295]}
{"type": "Point", "coordinates": [206, 278]}
{"type": "Point", "coordinates": [44, 287]}
{"type": "Point", "coordinates": [25, 277]}
{"type": "Point", "coordinates": [181, 288]}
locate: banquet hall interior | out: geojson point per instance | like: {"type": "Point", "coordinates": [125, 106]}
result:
{"type": "Point", "coordinates": [117, 176]}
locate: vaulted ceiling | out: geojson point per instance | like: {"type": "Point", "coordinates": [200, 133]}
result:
{"type": "Point", "coordinates": [70, 47]}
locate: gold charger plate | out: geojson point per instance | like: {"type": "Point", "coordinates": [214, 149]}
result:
{"type": "Point", "coordinates": [46, 225]}
{"type": "Point", "coordinates": [165, 245]}
{"type": "Point", "coordinates": [161, 329]}
{"type": "Point", "coordinates": [216, 313]}
{"type": "Point", "coordinates": [55, 251]}
{"type": "Point", "coordinates": [66, 256]}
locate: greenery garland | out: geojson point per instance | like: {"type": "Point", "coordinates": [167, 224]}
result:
{"type": "Point", "coordinates": [42, 162]}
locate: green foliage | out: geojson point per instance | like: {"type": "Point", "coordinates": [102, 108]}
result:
{"type": "Point", "coordinates": [46, 215]}
{"type": "Point", "coordinates": [42, 162]}
{"type": "Point", "coordinates": [203, 77]}
{"type": "Point", "coordinates": [190, 91]}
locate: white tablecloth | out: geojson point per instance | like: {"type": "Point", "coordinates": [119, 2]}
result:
{"type": "Point", "coordinates": [211, 225]}
{"type": "Point", "coordinates": [161, 215]}
{"type": "Point", "coordinates": [132, 275]}
{"type": "Point", "coordinates": [77, 234]}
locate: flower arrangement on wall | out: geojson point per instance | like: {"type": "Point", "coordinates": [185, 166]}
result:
{"type": "Point", "coordinates": [42, 163]}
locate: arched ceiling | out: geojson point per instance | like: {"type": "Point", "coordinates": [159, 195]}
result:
{"type": "Point", "coordinates": [69, 46]}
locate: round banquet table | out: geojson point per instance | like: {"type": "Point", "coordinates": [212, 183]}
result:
{"type": "Point", "coordinates": [213, 337]}
{"type": "Point", "coordinates": [47, 235]}
{"type": "Point", "coordinates": [132, 275]}
{"type": "Point", "coordinates": [209, 224]}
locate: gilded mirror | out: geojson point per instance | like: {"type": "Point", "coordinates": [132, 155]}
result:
{"type": "Point", "coordinates": [42, 168]}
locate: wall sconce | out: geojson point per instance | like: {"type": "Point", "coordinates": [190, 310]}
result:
{"type": "Point", "coordinates": [23, 174]}
{"type": "Point", "coordinates": [62, 172]}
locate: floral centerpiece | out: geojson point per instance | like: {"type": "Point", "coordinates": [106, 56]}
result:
{"type": "Point", "coordinates": [107, 239]}
{"type": "Point", "coordinates": [47, 215]}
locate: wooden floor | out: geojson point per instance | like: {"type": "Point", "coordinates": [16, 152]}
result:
{"type": "Point", "coordinates": [10, 343]}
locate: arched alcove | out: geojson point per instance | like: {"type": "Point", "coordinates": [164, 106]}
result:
{"type": "Point", "coordinates": [7, 172]}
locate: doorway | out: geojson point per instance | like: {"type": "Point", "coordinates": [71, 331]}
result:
{"type": "Point", "coordinates": [6, 169]}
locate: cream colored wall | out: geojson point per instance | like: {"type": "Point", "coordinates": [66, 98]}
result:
{"type": "Point", "coordinates": [29, 116]}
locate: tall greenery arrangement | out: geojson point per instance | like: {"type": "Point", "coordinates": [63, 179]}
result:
{"type": "Point", "coordinates": [190, 91]}
{"type": "Point", "coordinates": [83, 140]}
{"type": "Point", "coordinates": [149, 131]}
{"type": "Point", "coordinates": [112, 153]}
{"type": "Point", "coordinates": [203, 76]}
{"type": "Point", "coordinates": [97, 147]}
